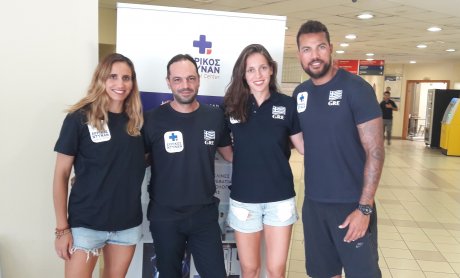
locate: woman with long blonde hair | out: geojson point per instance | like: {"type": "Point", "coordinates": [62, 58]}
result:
{"type": "Point", "coordinates": [101, 140]}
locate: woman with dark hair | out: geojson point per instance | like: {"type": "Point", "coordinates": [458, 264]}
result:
{"type": "Point", "coordinates": [101, 140]}
{"type": "Point", "coordinates": [264, 124]}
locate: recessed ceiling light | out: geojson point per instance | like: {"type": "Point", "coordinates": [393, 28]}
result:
{"type": "Point", "coordinates": [365, 16]}
{"type": "Point", "coordinates": [369, 54]}
{"type": "Point", "coordinates": [370, 59]}
{"type": "Point", "coordinates": [339, 51]}
{"type": "Point", "coordinates": [413, 62]}
{"type": "Point", "coordinates": [422, 46]}
{"type": "Point", "coordinates": [350, 36]}
{"type": "Point", "coordinates": [344, 44]}
{"type": "Point", "coordinates": [450, 50]}
{"type": "Point", "coordinates": [434, 29]}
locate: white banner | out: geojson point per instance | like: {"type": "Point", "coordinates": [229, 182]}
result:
{"type": "Point", "coordinates": [151, 35]}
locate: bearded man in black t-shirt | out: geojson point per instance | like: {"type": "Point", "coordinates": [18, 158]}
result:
{"type": "Point", "coordinates": [182, 138]}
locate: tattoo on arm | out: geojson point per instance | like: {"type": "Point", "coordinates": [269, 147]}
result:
{"type": "Point", "coordinates": [371, 135]}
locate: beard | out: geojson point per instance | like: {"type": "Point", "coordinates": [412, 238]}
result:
{"type": "Point", "coordinates": [321, 73]}
{"type": "Point", "coordinates": [185, 100]}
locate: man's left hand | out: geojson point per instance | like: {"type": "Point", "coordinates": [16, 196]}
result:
{"type": "Point", "coordinates": [357, 224]}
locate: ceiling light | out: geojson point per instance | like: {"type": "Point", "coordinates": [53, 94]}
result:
{"type": "Point", "coordinates": [413, 62]}
{"type": "Point", "coordinates": [450, 50]}
{"type": "Point", "coordinates": [350, 36]}
{"type": "Point", "coordinates": [339, 51]}
{"type": "Point", "coordinates": [369, 54]}
{"type": "Point", "coordinates": [370, 59]}
{"type": "Point", "coordinates": [344, 44]}
{"type": "Point", "coordinates": [422, 46]}
{"type": "Point", "coordinates": [365, 16]}
{"type": "Point", "coordinates": [434, 29]}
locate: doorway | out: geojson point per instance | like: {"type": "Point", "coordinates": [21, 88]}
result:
{"type": "Point", "coordinates": [415, 106]}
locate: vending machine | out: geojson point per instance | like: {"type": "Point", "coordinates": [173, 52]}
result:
{"type": "Point", "coordinates": [437, 102]}
{"type": "Point", "coordinates": [450, 129]}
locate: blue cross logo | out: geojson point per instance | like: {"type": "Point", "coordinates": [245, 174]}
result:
{"type": "Point", "coordinates": [302, 98]}
{"type": "Point", "coordinates": [202, 44]}
{"type": "Point", "coordinates": [173, 137]}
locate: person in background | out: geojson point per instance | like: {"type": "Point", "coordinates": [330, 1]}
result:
{"type": "Point", "coordinates": [344, 154]}
{"type": "Point", "coordinates": [101, 140]}
{"type": "Point", "coordinates": [388, 106]}
{"type": "Point", "coordinates": [182, 137]}
{"type": "Point", "coordinates": [263, 123]}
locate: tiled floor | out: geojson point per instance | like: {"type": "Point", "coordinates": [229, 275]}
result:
{"type": "Point", "coordinates": [418, 204]}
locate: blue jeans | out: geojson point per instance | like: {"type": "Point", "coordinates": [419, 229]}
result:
{"type": "Point", "coordinates": [387, 126]}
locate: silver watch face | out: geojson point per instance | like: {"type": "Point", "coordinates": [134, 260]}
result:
{"type": "Point", "coordinates": [365, 209]}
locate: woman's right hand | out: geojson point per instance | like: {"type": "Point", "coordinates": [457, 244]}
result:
{"type": "Point", "coordinates": [64, 239]}
{"type": "Point", "coordinates": [62, 245]}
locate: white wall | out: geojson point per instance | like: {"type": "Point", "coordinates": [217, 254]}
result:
{"type": "Point", "coordinates": [48, 53]}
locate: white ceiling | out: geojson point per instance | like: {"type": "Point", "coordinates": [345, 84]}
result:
{"type": "Point", "coordinates": [392, 35]}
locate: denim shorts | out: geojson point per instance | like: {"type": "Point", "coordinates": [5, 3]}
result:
{"type": "Point", "coordinates": [91, 241]}
{"type": "Point", "coordinates": [250, 218]}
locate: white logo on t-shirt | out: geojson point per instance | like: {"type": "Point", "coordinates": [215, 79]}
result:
{"type": "Point", "coordinates": [234, 121]}
{"type": "Point", "coordinates": [334, 98]}
{"type": "Point", "coordinates": [209, 137]}
{"type": "Point", "coordinates": [98, 136]}
{"type": "Point", "coordinates": [174, 141]}
{"type": "Point", "coordinates": [302, 98]}
{"type": "Point", "coordinates": [278, 112]}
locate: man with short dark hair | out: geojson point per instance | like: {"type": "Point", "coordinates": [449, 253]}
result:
{"type": "Point", "coordinates": [182, 138]}
{"type": "Point", "coordinates": [388, 106]}
{"type": "Point", "coordinates": [342, 129]}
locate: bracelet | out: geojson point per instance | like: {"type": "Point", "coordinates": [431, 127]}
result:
{"type": "Point", "coordinates": [59, 233]}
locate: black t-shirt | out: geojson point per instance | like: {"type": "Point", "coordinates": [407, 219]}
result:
{"type": "Point", "coordinates": [334, 156]}
{"type": "Point", "coordinates": [261, 169]}
{"type": "Point", "coordinates": [109, 168]}
{"type": "Point", "coordinates": [387, 113]}
{"type": "Point", "coordinates": [183, 148]}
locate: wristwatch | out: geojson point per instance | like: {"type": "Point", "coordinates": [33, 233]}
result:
{"type": "Point", "coordinates": [365, 209]}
